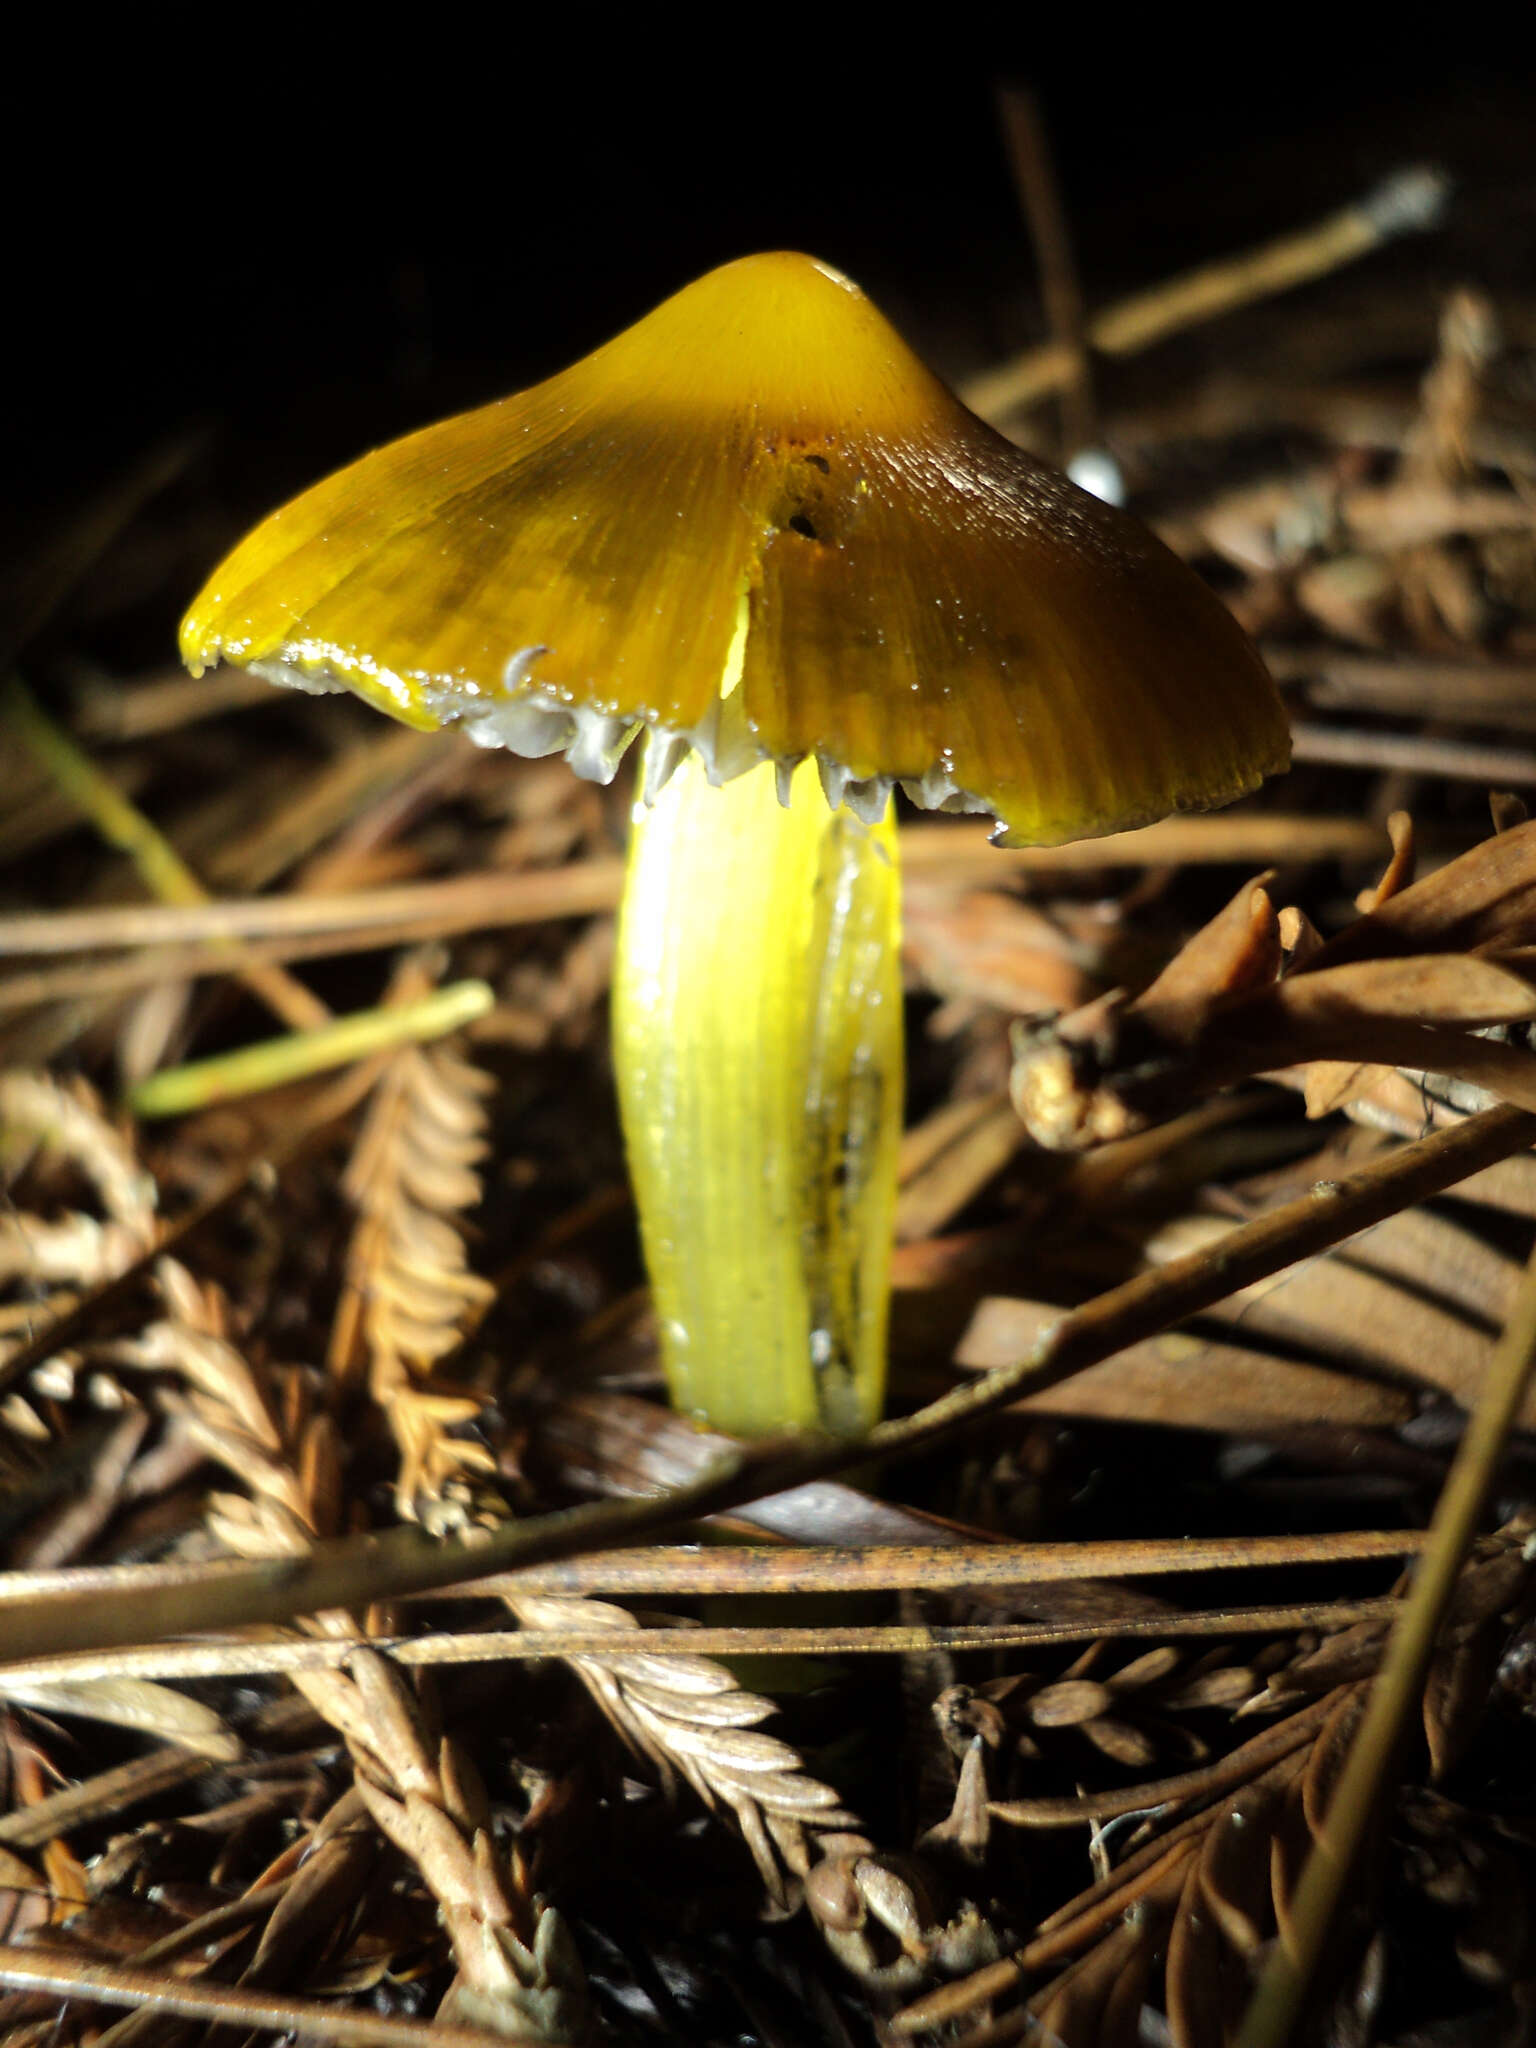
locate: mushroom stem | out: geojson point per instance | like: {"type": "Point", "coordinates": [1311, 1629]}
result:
{"type": "Point", "coordinates": [757, 1037]}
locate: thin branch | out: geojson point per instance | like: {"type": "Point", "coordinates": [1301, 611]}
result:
{"type": "Point", "coordinates": [310, 2019]}
{"type": "Point", "coordinates": [1406, 203]}
{"type": "Point", "coordinates": [1149, 1302]}
{"type": "Point", "coordinates": [167, 701]}
{"type": "Point", "coordinates": [1228, 1771]}
{"type": "Point", "coordinates": [793, 1568]}
{"type": "Point", "coordinates": [1418, 753]}
{"type": "Point", "coordinates": [1471, 690]}
{"type": "Point", "coordinates": [498, 897]}
{"type": "Point", "coordinates": [1034, 177]}
{"type": "Point", "coordinates": [605, 1647]}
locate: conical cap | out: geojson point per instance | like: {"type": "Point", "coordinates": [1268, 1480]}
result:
{"type": "Point", "coordinates": [756, 522]}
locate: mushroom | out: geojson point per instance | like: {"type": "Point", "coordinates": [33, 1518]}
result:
{"type": "Point", "coordinates": [757, 530]}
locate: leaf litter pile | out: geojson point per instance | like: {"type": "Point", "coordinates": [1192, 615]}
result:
{"type": "Point", "coordinates": [384, 1662]}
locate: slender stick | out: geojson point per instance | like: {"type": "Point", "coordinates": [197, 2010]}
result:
{"type": "Point", "coordinates": [308, 2019]}
{"type": "Point", "coordinates": [1283, 1988]}
{"type": "Point", "coordinates": [1034, 177]}
{"type": "Point", "coordinates": [605, 1646]}
{"type": "Point", "coordinates": [1406, 203]}
{"type": "Point", "coordinates": [1148, 1303]}
{"type": "Point", "coordinates": [1420, 753]}
{"type": "Point", "coordinates": [168, 701]}
{"type": "Point", "coordinates": [1469, 689]}
{"type": "Point", "coordinates": [797, 1568]}
{"type": "Point", "coordinates": [499, 897]}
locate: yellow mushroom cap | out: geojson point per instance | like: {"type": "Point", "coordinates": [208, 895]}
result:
{"type": "Point", "coordinates": [757, 523]}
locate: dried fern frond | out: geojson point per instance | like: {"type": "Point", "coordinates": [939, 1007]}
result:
{"type": "Point", "coordinates": [517, 1970]}
{"type": "Point", "coordinates": [515, 1967]}
{"type": "Point", "coordinates": [58, 1150]}
{"type": "Point", "coordinates": [40, 1115]}
{"type": "Point", "coordinates": [886, 1918]}
{"type": "Point", "coordinates": [408, 1286]}
{"type": "Point", "coordinates": [693, 1721]}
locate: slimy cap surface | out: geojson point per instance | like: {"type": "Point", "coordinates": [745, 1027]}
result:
{"type": "Point", "coordinates": [758, 525]}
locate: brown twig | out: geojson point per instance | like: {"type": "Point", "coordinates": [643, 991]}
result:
{"type": "Point", "coordinates": [1409, 202]}
{"type": "Point", "coordinates": [496, 898]}
{"type": "Point", "coordinates": [117, 712]}
{"type": "Point", "coordinates": [314, 2019]}
{"type": "Point", "coordinates": [578, 1638]}
{"type": "Point", "coordinates": [1034, 177]}
{"type": "Point", "coordinates": [730, 1569]}
{"type": "Point", "coordinates": [1209, 1781]}
{"type": "Point", "coordinates": [1416, 753]}
{"type": "Point", "coordinates": [1471, 690]}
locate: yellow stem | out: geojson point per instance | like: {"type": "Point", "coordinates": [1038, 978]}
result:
{"type": "Point", "coordinates": [758, 1048]}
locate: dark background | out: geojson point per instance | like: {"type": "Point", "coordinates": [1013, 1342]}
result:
{"type": "Point", "coordinates": [299, 248]}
